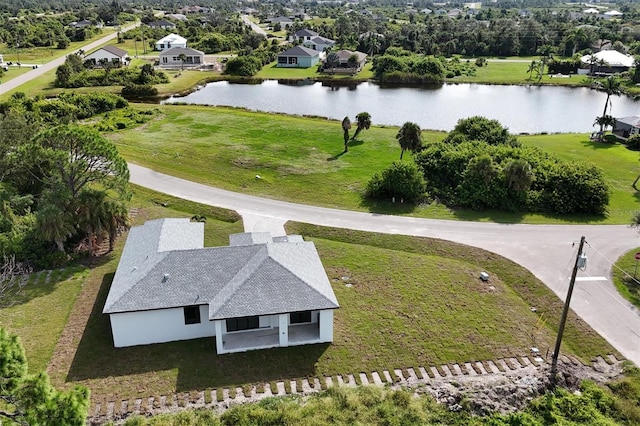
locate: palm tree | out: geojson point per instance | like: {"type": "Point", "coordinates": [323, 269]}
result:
{"type": "Point", "coordinates": [604, 122]}
{"type": "Point", "coordinates": [612, 86]}
{"type": "Point", "coordinates": [54, 224]}
{"type": "Point", "coordinates": [92, 214]}
{"type": "Point", "coordinates": [409, 137]}
{"type": "Point", "coordinates": [519, 175]}
{"type": "Point", "coordinates": [363, 121]}
{"type": "Point", "coordinates": [117, 218]}
{"type": "Point", "coordinates": [346, 126]}
{"type": "Point", "coordinates": [546, 53]}
{"type": "Point", "coordinates": [593, 59]}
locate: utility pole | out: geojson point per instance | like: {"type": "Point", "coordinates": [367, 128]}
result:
{"type": "Point", "coordinates": [565, 311]}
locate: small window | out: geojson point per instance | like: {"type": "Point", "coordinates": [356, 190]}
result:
{"type": "Point", "coordinates": [243, 323]}
{"type": "Point", "coordinates": [192, 314]}
{"type": "Point", "coordinates": [300, 317]}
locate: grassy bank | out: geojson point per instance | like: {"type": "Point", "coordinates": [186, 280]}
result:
{"type": "Point", "coordinates": [300, 159]}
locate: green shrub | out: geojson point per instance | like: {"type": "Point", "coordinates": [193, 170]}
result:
{"type": "Point", "coordinates": [139, 91]}
{"type": "Point", "coordinates": [403, 180]}
{"type": "Point", "coordinates": [243, 65]}
{"type": "Point", "coordinates": [513, 178]}
{"type": "Point", "coordinates": [633, 143]}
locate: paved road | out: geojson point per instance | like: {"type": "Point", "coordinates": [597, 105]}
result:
{"type": "Point", "coordinates": [255, 27]}
{"type": "Point", "coordinates": [28, 76]}
{"type": "Point", "coordinates": [546, 250]}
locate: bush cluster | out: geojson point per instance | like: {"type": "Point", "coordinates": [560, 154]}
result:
{"type": "Point", "coordinates": [68, 106]}
{"type": "Point", "coordinates": [482, 176]}
{"type": "Point", "coordinates": [402, 181]}
{"type": "Point", "coordinates": [116, 77]}
{"type": "Point", "coordinates": [398, 65]}
{"type": "Point", "coordinates": [139, 91]}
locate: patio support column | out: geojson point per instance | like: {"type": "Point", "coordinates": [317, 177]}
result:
{"type": "Point", "coordinates": [326, 325]}
{"type": "Point", "coordinates": [218, 326]}
{"type": "Point", "coordinates": [283, 329]}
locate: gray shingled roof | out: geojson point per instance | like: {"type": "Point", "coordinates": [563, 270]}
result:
{"type": "Point", "coordinates": [300, 51]}
{"type": "Point", "coordinates": [321, 40]}
{"type": "Point", "coordinates": [632, 120]}
{"type": "Point", "coordinates": [176, 51]}
{"type": "Point", "coordinates": [306, 33]}
{"type": "Point", "coordinates": [115, 50]}
{"type": "Point", "coordinates": [285, 275]}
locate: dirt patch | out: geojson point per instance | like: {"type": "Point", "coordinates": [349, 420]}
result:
{"type": "Point", "coordinates": [511, 391]}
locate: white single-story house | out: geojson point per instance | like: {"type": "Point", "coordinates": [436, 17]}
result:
{"type": "Point", "coordinates": [298, 57]}
{"type": "Point", "coordinates": [110, 53]}
{"type": "Point", "coordinates": [258, 292]}
{"type": "Point", "coordinates": [607, 61]}
{"type": "Point", "coordinates": [171, 58]}
{"type": "Point", "coordinates": [172, 40]}
{"type": "Point", "coordinates": [625, 127]}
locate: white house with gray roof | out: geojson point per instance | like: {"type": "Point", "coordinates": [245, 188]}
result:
{"type": "Point", "coordinates": [258, 292]}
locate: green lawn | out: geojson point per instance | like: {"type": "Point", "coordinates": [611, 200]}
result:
{"type": "Point", "coordinates": [300, 160]}
{"type": "Point", "coordinates": [505, 72]}
{"type": "Point", "coordinates": [625, 277]}
{"type": "Point", "coordinates": [39, 311]}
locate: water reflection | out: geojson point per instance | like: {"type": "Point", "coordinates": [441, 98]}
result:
{"type": "Point", "coordinates": [523, 109]}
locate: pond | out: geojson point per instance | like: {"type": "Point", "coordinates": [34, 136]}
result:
{"type": "Point", "coordinates": [523, 109]}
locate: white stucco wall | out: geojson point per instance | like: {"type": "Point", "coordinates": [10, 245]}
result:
{"type": "Point", "coordinates": [164, 325]}
{"type": "Point", "coordinates": [326, 325]}
{"type": "Point", "coordinates": [103, 54]}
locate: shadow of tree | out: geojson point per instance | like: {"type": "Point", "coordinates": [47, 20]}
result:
{"type": "Point", "coordinates": [197, 364]}
{"type": "Point", "coordinates": [386, 206]}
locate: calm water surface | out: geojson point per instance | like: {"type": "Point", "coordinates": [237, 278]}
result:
{"type": "Point", "coordinates": [531, 109]}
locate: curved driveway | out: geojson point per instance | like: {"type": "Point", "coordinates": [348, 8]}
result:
{"type": "Point", "coordinates": [546, 250]}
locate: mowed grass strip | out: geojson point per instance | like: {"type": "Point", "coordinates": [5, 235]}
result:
{"type": "Point", "coordinates": [404, 302]}
{"type": "Point", "coordinates": [299, 159]}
